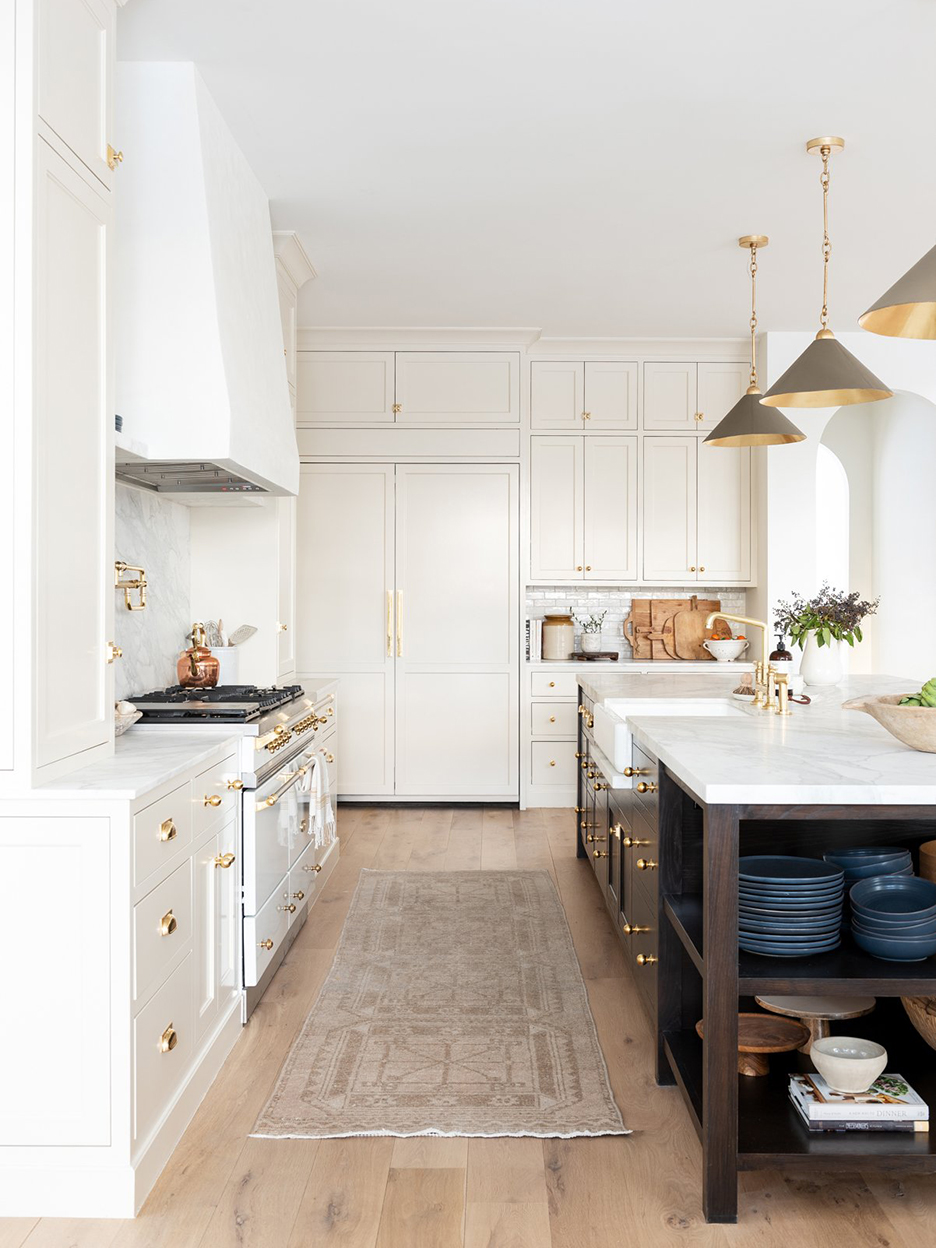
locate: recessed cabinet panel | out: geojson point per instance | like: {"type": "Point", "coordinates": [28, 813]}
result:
{"type": "Point", "coordinates": [724, 545]}
{"type": "Point", "coordinates": [610, 395]}
{"type": "Point", "coordinates": [720, 387]}
{"type": "Point", "coordinates": [669, 398]}
{"type": "Point", "coordinates": [557, 395]}
{"type": "Point", "coordinates": [457, 387]}
{"type": "Point", "coordinates": [669, 509]}
{"type": "Point", "coordinates": [286, 587]}
{"type": "Point", "coordinates": [611, 550]}
{"type": "Point", "coordinates": [344, 387]}
{"type": "Point", "coordinates": [557, 505]}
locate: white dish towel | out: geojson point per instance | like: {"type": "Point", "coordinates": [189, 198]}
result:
{"type": "Point", "coordinates": [288, 824]}
{"type": "Point", "coordinates": [321, 822]}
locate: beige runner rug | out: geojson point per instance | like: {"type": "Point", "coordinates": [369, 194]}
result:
{"type": "Point", "coordinates": [454, 1006]}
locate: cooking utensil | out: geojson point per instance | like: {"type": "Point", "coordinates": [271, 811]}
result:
{"type": "Point", "coordinates": [242, 634]}
{"type": "Point", "coordinates": [213, 634]}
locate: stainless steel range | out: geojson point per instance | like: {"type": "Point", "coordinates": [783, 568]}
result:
{"type": "Point", "coordinates": [282, 730]}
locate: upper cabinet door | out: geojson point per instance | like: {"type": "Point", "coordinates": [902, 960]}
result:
{"type": "Point", "coordinates": [610, 396]}
{"type": "Point", "coordinates": [74, 492]}
{"type": "Point", "coordinates": [457, 387]}
{"type": "Point", "coordinates": [720, 387]}
{"type": "Point", "coordinates": [557, 509]}
{"type": "Point", "coordinates": [669, 509]}
{"type": "Point", "coordinates": [76, 67]}
{"type": "Point", "coordinates": [725, 514]}
{"type": "Point", "coordinates": [670, 397]}
{"type": "Point", "coordinates": [611, 551]}
{"type": "Point", "coordinates": [557, 395]}
{"type": "Point", "coordinates": [344, 387]}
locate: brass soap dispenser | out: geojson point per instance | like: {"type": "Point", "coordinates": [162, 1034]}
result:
{"type": "Point", "coordinates": [198, 668]}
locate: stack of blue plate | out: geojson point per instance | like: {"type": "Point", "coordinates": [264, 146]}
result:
{"type": "Point", "coordinates": [789, 907]}
{"type": "Point", "coordinates": [863, 862]}
{"type": "Point", "coordinates": [894, 917]}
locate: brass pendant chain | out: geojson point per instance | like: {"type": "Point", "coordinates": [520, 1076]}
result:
{"type": "Point", "coordinates": [825, 152]}
{"type": "Point", "coordinates": [753, 315]}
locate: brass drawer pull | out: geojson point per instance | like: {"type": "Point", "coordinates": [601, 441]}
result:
{"type": "Point", "coordinates": [316, 868]}
{"type": "Point", "coordinates": [215, 800]}
{"type": "Point", "coordinates": [632, 842]}
{"type": "Point", "coordinates": [646, 959]}
{"type": "Point", "coordinates": [168, 924]}
{"type": "Point", "coordinates": [552, 719]}
{"type": "Point", "coordinates": [631, 929]}
{"type": "Point", "coordinates": [616, 831]}
{"type": "Point", "coordinates": [552, 762]}
{"type": "Point", "coordinates": [647, 864]}
{"type": "Point", "coordinates": [598, 786]}
{"type": "Point", "coordinates": [223, 860]}
{"type": "Point", "coordinates": [594, 840]}
{"type": "Point", "coordinates": [600, 853]}
{"type": "Point", "coordinates": [290, 909]}
{"type": "Point", "coordinates": [265, 944]}
{"type": "Point", "coordinates": [636, 771]}
{"type": "Point", "coordinates": [236, 785]}
{"type": "Point", "coordinates": [167, 830]}
{"type": "Point", "coordinates": [647, 788]}
{"type": "Point", "coordinates": [329, 758]}
{"type": "Point", "coordinates": [300, 896]}
{"type": "Point", "coordinates": [168, 1040]}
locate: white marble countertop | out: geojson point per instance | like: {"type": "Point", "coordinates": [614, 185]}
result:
{"type": "Point", "coordinates": [142, 761]}
{"type": "Point", "coordinates": [819, 754]}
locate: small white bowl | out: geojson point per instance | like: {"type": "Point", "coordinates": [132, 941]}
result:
{"type": "Point", "coordinates": [725, 649]}
{"type": "Point", "coordinates": [848, 1064]}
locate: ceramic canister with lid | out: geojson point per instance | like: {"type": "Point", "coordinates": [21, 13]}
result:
{"type": "Point", "coordinates": [558, 636]}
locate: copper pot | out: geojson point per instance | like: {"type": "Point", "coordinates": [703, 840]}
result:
{"type": "Point", "coordinates": [197, 667]}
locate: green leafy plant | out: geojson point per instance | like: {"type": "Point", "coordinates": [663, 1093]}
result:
{"type": "Point", "coordinates": [592, 623]}
{"type": "Point", "coordinates": [832, 615]}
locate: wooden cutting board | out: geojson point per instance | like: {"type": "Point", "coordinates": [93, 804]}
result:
{"type": "Point", "coordinates": [689, 632]}
{"type": "Point", "coordinates": [662, 611]}
{"type": "Point", "coordinates": [637, 628]}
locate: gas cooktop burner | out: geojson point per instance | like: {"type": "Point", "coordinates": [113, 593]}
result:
{"type": "Point", "coordinates": [224, 704]}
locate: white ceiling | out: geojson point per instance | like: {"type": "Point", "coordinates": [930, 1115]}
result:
{"type": "Point", "coordinates": [584, 166]}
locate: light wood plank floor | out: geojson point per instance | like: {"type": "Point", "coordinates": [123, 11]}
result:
{"type": "Point", "coordinates": [223, 1190]}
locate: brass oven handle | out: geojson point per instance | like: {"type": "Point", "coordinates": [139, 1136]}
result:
{"type": "Point", "coordinates": [168, 1040]}
{"type": "Point", "coordinates": [224, 860]}
{"type": "Point", "coordinates": [236, 785]}
{"type": "Point", "coordinates": [647, 788]}
{"type": "Point", "coordinates": [399, 623]}
{"type": "Point", "coordinates": [265, 944]}
{"type": "Point", "coordinates": [168, 924]}
{"type": "Point", "coordinates": [214, 800]}
{"type": "Point", "coordinates": [167, 830]}
{"type": "Point", "coordinates": [274, 797]}
{"type": "Point", "coordinates": [389, 623]}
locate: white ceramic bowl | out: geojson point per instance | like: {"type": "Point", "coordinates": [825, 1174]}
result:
{"type": "Point", "coordinates": [725, 650]}
{"type": "Point", "coordinates": [848, 1064]}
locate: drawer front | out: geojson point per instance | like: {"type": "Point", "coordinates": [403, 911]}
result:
{"type": "Point", "coordinates": [161, 830]}
{"type": "Point", "coordinates": [159, 1069]}
{"type": "Point", "coordinates": [645, 849]}
{"type": "Point", "coordinates": [162, 930]}
{"type": "Point", "coordinates": [645, 945]}
{"type": "Point", "coordinates": [554, 719]}
{"type": "Point", "coordinates": [308, 876]}
{"type": "Point", "coordinates": [213, 800]}
{"type": "Point", "coordinates": [647, 785]}
{"type": "Point", "coordinates": [553, 763]}
{"type": "Point", "coordinates": [619, 817]}
{"type": "Point", "coordinates": [263, 935]}
{"type": "Point", "coordinates": [553, 684]}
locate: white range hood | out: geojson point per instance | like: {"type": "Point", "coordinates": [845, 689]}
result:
{"type": "Point", "coordinates": [201, 382]}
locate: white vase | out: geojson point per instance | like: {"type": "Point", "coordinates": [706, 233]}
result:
{"type": "Point", "coordinates": [822, 665]}
{"type": "Point", "coordinates": [591, 643]}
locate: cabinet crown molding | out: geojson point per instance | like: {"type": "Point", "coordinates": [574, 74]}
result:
{"type": "Point", "coordinates": [293, 257]}
{"type": "Point", "coordinates": [528, 339]}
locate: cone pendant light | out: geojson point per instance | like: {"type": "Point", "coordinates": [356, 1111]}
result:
{"type": "Point", "coordinates": [908, 309]}
{"type": "Point", "coordinates": [826, 374]}
{"type": "Point", "coordinates": [750, 423]}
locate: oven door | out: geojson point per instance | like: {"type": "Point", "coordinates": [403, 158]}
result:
{"type": "Point", "coordinates": [271, 826]}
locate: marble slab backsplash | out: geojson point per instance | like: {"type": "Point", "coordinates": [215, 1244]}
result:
{"type": "Point", "coordinates": [154, 533]}
{"type": "Point", "coordinates": [616, 600]}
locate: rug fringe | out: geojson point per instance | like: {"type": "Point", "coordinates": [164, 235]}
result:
{"type": "Point", "coordinates": [446, 1135]}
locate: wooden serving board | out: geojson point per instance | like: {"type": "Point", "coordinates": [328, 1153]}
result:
{"type": "Point", "coordinates": [671, 628]}
{"type": "Point", "coordinates": [662, 611]}
{"type": "Point", "coordinates": [689, 630]}
{"type": "Point", "coordinates": [637, 628]}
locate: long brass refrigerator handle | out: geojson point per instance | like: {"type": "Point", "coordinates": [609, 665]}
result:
{"type": "Point", "coordinates": [399, 623]}
{"type": "Point", "coordinates": [389, 624]}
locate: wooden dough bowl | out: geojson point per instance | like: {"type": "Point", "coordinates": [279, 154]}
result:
{"type": "Point", "coordinates": [913, 725]}
{"type": "Point", "coordinates": [760, 1035]}
{"type": "Point", "coordinates": [922, 1013]}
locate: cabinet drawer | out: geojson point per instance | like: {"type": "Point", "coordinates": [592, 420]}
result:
{"type": "Point", "coordinates": [554, 719]}
{"type": "Point", "coordinates": [263, 935]}
{"type": "Point", "coordinates": [647, 797]}
{"type": "Point", "coordinates": [553, 763]}
{"type": "Point", "coordinates": [158, 1070]}
{"type": "Point", "coordinates": [646, 945]}
{"type": "Point", "coordinates": [553, 684]}
{"type": "Point", "coordinates": [213, 799]}
{"type": "Point", "coordinates": [161, 830]}
{"type": "Point", "coordinates": [162, 929]}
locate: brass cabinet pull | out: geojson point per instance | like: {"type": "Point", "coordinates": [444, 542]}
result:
{"type": "Point", "coordinates": [214, 800]}
{"type": "Point", "coordinates": [701, 569]}
{"type": "Point", "coordinates": [600, 853]}
{"type": "Point", "coordinates": [579, 754]}
{"type": "Point", "coordinates": [647, 788]}
{"type": "Point", "coordinates": [300, 896]}
{"type": "Point", "coordinates": [699, 416]}
{"type": "Point", "coordinates": [552, 684]}
{"type": "Point", "coordinates": [587, 567]}
{"type": "Point", "coordinates": [633, 842]}
{"type": "Point", "coordinates": [329, 758]}
{"type": "Point", "coordinates": [265, 944]}
{"type": "Point", "coordinates": [631, 929]}
{"type": "Point", "coordinates": [389, 623]}
{"type": "Point", "coordinates": [223, 860]}
{"type": "Point", "coordinates": [645, 959]}
{"type": "Point", "coordinates": [595, 839]}
{"type": "Point", "coordinates": [636, 771]}
{"type": "Point", "coordinates": [584, 763]}
{"type": "Point", "coordinates": [399, 623]}
{"type": "Point", "coordinates": [616, 831]}
{"type": "Point", "coordinates": [398, 407]}
{"type": "Point", "coordinates": [581, 709]}
{"type": "Point", "coordinates": [114, 158]}
{"type": "Point", "coordinates": [579, 810]}
{"type": "Point", "coordinates": [692, 569]}
{"type": "Point", "coordinates": [113, 651]}
{"type": "Point", "coordinates": [168, 924]}
{"type": "Point", "coordinates": [586, 415]}
{"type": "Point", "coordinates": [316, 868]}
{"type": "Point", "coordinates": [290, 909]}
{"type": "Point", "coordinates": [552, 719]}
{"type": "Point", "coordinates": [168, 1040]}
{"type": "Point", "coordinates": [236, 785]}
{"type": "Point", "coordinates": [598, 786]}
{"type": "Point", "coordinates": [578, 567]}
{"type": "Point", "coordinates": [167, 830]}
{"type": "Point", "coordinates": [647, 864]}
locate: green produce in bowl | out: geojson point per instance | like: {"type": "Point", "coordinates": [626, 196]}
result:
{"type": "Point", "coordinates": [926, 696]}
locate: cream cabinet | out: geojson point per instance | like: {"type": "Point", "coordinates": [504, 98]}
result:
{"type": "Point", "coordinates": [76, 79]}
{"type": "Point", "coordinates": [583, 494]}
{"type": "Point", "coordinates": [687, 397]}
{"type": "Point", "coordinates": [696, 512]}
{"type": "Point", "coordinates": [437, 388]}
{"type": "Point", "coordinates": [590, 396]}
{"type": "Point", "coordinates": [286, 587]}
{"type": "Point", "coordinates": [217, 926]}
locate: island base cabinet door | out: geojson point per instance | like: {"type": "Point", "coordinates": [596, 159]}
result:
{"type": "Point", "coordinates": [669, 509]}
{"type": "Point", "coordinates": [611, 549]}
{"type": "Point", "coordinates": [557, 509]}
{"type": "Point", "coordinates": [216, 941]}
{"type": "Point", "coordinates": [725, 514]}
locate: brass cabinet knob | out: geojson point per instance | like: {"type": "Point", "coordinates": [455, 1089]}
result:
{"type": "Point", "coordinates": [168, 1040]}
{"type": "Point", "coordinates": [647, 788]}
{"type": "Point", "coordinates": [632, 842]}
{"type": "Point", "coordinates": [598, 786]}
{"type": "Point", "coordinates": [616, 831]}
{"type": "Point", "coordinates": [223, 860]}
{"type": "Point", "coordinates": [581, 710]}
{"type": "Point", "coordinates": [552, 719]}
{"type": "Point", "coordinates": [586, 415]}
{"type": "Point", "coordinates": [699, 416]}
{"type": "Point", "coordinates": [591, 774]}
{"type": "Point", "coordinates": [692, 569]}
{"type": "Point", "coordinates": [330, 710]}
{"type": "Point", "coordinates": [647, 864]}
{"type": "Point", "coordinates": [646, 959]}
{"type": "Point", "coordinates": [578, 567]}
{"type": "Point", "coordinates": [636, 771]}
{"type": "Point", "coordinates": [398, 407]}
{"type": "Point", "coordinates": [236, 785]}
{"type": "Point", "coordinates": [552, 684]}
{"type": "Point", "coordinates": [701, 569]}
{"type": "Point", "coordinates": [584, 763]}
{"type": "Point", "coordinates": [600, 853]}
{"type": "Point", "coordinates": [579, 754]}
{"type": "Point", "coordinates": [168, 924]}
{"type": "Point", "coordinates": [114, 158]}
{"type": "Point", "coordinates": [214, 800]}
{"type": "Point", "coordinates": [300, 896]}
{"type": "Point", "coordinates": [595, 838]}
{"type": "Point", "coordinates": [316, 868]}
{"type": "Point", "coordinates": [552, 762]}
{"type": "Point", "coordinates": [113, 652]}
{"type": "Point", "coordinates": [587, 567]}
{"type": "Point", "coordinates": [329, 758]}
{"type": "Point", "coordinates": [579, 810]}
{"type": "Point", "coordinates": [290, 909]}
{"type": "Point", "coordinates": [283, 628]}
{"type": "Point", "coordinates": [265, 944]}
{"type": "Point", "coordinates": [167, 830]}
{"type": "Point", "coordinates": [632, 929]}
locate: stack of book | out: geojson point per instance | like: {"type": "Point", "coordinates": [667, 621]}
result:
{"type": "Point", "coordinates": [534, 638]}
{"type": "Point", "coordinates": [890, 1104]}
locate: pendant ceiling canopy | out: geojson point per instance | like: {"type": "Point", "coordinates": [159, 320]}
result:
{"type": "Point", "coordinates": [749, 423]}
{"type": "Point", "coordinates": [826, 374]}
{"type": "Point", "coordinates": [908, 309]}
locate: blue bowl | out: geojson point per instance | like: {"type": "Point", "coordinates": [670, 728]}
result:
{"type": "Point", "coordinates": [885, 923]}
{"type": "Point", "coordinates": [861, 855]}
{"type": "Point", "coordinates": [787, 871]}
{"type": "Point", "coordinates": [901, 931]}
{"type": "Point", "coordinates": [892, 950]}
{"type": "Point", "coordinates": [906, 895]}
{"type": "Point", "coordinates": [903, 866]}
